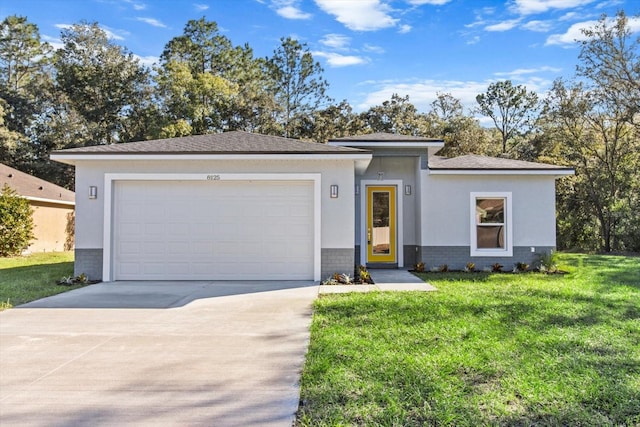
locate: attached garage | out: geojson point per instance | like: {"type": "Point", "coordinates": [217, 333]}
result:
{"type": "Point", "coordinates": [213, 230]}
{"type": "Point", "coordinates": [227, 206]}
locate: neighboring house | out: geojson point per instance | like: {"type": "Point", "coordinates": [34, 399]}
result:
{"type": "Point", "coordinates": [245, 206]}
{"type": "Point", "coordinates": [53, 209]}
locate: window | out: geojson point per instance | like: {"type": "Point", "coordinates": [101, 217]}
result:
{"type": "Point", "coordinates": [491, 224]}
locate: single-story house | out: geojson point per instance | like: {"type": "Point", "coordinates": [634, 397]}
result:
{"type": "Point", "coordinates": [238, 205]}
{"type": "Point", "coordinates": [53, 209]}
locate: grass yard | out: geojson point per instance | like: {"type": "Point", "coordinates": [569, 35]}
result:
{"type": "Point", "coordinates": [24, 279]}
{"type": "Point", "coordinates": [485, 349]}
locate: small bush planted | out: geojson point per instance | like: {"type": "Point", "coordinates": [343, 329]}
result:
{"type": "Point", "coordinates": [16, 223]}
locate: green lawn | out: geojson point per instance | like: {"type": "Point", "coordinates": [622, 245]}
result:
{"type": "Point", "coordinates": [485, 349]}
{"type": "Point", "coordinates": [24, 279]}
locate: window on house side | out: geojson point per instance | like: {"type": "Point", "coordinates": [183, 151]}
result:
{"type": "Point", "coordinates": [491, 224]}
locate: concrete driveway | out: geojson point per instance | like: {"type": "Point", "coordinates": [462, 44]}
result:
{"type": "Point", "coordinates": [156, 353]}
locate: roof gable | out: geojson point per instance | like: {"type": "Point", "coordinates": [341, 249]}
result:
{"type": "Point", "coordinates": [33, 188]}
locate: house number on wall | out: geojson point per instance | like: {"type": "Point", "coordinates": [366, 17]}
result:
{"type": "Point", "coordinates": [213, 177]}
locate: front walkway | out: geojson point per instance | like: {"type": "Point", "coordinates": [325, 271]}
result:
{"type": "Point", "coordinates": [384, 280]}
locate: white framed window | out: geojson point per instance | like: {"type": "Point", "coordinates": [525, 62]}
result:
{"type": "Point", "coordinates": [491, 224]}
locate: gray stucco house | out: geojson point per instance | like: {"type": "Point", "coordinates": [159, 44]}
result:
{"type": "Point", "coordinates": [244, 206]}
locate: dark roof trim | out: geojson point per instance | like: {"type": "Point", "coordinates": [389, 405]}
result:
{"type": "Point", "coordinates": [385, 137]}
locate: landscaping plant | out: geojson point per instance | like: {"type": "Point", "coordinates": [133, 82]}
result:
{"type": "Point", "coordinates": [16, 223]}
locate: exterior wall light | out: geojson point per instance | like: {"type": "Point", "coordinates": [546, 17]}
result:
{"type": "Point", "coordinates": [357, 190]}
{"type": "Point", "coordinates": [407, 190]}
{"type": "Point", "coordinates": [334, 191]}
{"type": "Point", "coordinates": [93, 192]}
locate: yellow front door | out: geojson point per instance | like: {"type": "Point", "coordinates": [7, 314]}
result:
{"type": "Point", "coordinates": [381, 224]}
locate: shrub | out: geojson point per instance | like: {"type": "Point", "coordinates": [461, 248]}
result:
{"type": "Point", "coordinates": [443, 268]}
{"type": "Point", "coordinates": [548, 262]}
{"type": "Point", "coordinates": [16, 223]}
{"type": "Point", "coordinates": [470, 267]}
{"type": "Point", "coordinates": [497, 267]}
{"type": "Point", "coordinates": [419, 267]}
{"type": "Point", "coordinates": [339, 279]}
{"type": "Point", "coordinates": [364, 275]}
{"type": "Point", "coordinates": [522, 266]}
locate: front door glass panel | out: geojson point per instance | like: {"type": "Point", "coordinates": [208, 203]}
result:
{"type": "Point", "coordinates": [380, 234]}
{"type": "Point", "coordinates": [381, 224]}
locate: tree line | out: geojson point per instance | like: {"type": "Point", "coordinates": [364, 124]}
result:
{"type": "Point", "coordinates": [92, 91]}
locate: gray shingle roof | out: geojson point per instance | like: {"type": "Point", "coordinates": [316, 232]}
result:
{"type": "Point", "coordinates": [236, 142]}
{"type": "Point", "coordinates": [386, 137]}
{"type": "Point", "coordinates": [31, 187]}
{"type": "Point", "coordinates": [476, 162]}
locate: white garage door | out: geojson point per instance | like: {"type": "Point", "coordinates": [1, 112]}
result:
{"type": "Point", "coordinates": [213, 230]}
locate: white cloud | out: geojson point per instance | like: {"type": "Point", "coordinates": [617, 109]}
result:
{"type": "Point", "coordinates": [335, 41]}
{"type": "Point", "coordinates": [404, 29]}
{"type": "Point", "coordinates": [633, 23]}
{"type": "Point", "coordinates": [111, 33]}
{"type": "Point", "coordinates": [152, 21]}
{"type": "Point", "coordinates": [359, 15]}
{"type": "Point", "coordinates": [529, 7]}
{"type": "Point", "coordinates": [200, 7]}
{"type": "Point", "coordinates": [519, 73]}
{"type": "Point", "coordinates": [54, 42]}
{"type": "Point", "coordinates": [479, 17]}
{"type": "Point", "coordinates": [574, 33]}
{"type": "Point", "coordinates": [503, 26]}
{"type": "Point", "coordinates": [291, 12]}
{"type": "Point", "coordinates": [569, 16]}
{"type": "Point", "coordinates": [136, 5]}
{"type": "Point", "coordinates": [147, 61]}
{"type": "Point", "coordinates": [478, 23]}
{"type": "Point", "coordinates": [338, 60]}
{"type": "Point", "coordinates": [431, 2]}
{"type": "Point", "coordinates": [473, 40]}
{"type": "Point", "coordinates": [289, 9]}
{"type": "Point", "coordinates": [538, 26]}
{"type": "Point", "coordinates": [373, 49]}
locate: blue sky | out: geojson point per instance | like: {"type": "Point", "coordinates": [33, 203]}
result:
{"type": "Point", "coordinates": [369, 49]}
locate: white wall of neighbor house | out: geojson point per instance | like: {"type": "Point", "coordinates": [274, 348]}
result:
{"type": "Point", "coordinates": [337, 224]}
{"type": "Point", "coordinates": [445, 208]}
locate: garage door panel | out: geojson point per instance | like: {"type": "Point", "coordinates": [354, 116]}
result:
{"type": "Point", "coordinates": [202, 249]}
{"type": "Point", "coordinates": [213, 230]}
{"type": "Point", "coordinates": [129, 248]}
{"type": "Point", "coordinates": [129, 268]}
{"type": "Point", "coordinates": [178, 228]}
